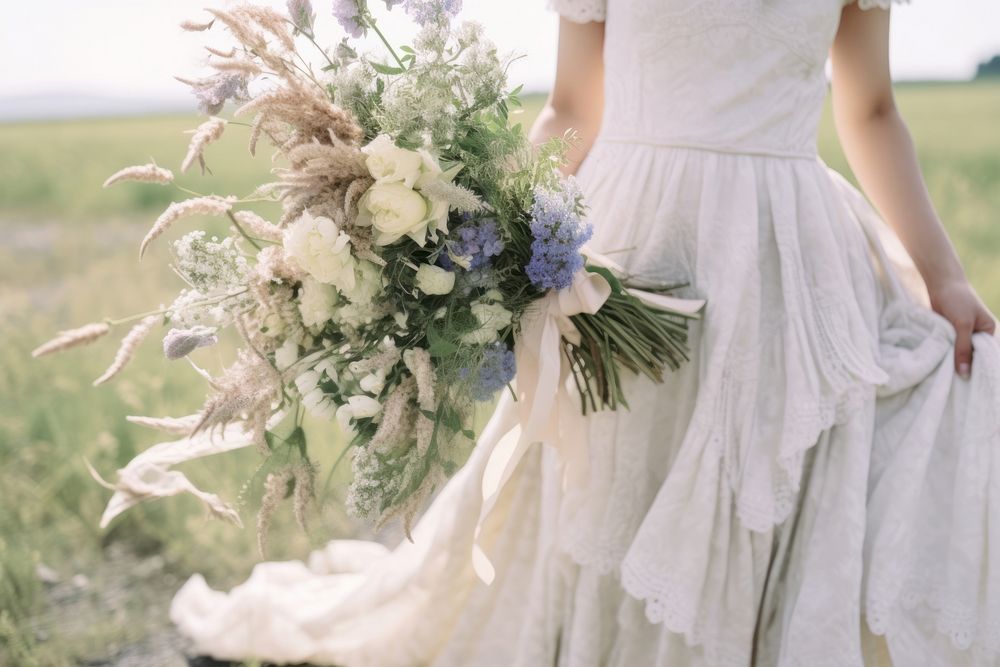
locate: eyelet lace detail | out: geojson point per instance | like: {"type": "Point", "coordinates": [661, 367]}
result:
{"type": "Point", "coordinates": [579, 11]}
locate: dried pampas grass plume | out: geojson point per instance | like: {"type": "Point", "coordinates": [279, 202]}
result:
{"type": "Point", "coordinates": [146, 173]}
{"type": "Point", "coordinates": [219, 52]}
{"type": "Point", "coordinates": [198, 206]}
{"type": "Point", "coordinates": [128, 347]}
{"type": "Point", "coordinates": [275, 490]}
{"type": "Point", "coordinates": [84, 335]}
{"type": "Point", "coordinates": [192, 26]}
{"type": "Point", "coordinates": [209, 131]}
{"type": "Point", "coordinates": [237, 65]}
{"type": "Point", "coordinates": [304, 492]}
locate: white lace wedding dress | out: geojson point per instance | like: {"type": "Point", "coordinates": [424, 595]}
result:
{"type": "Point", "coordinates": [817, 475]}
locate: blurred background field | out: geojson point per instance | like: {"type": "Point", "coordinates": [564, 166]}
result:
{"type": "Point", "coordinates": [73, 594]}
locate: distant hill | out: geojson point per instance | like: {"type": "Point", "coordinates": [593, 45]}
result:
{"type": "Point", "coordinates": [63, 105]}
{"type": "Point", "coordinates": [990, 68]}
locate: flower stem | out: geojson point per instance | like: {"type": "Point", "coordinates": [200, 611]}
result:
{"type": "Point", "coordinates": [242, 232]}
{"type": "Point", "coordinates": [161, 311]}
{"type": "Point", "coordinates": [392, 51]}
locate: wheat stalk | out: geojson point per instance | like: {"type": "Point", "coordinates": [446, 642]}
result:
{"type": "Point", "coordinates": [198, 206]}
{"type": "Point", "coordinates": [130, 343]}
{"type": "Point", "coordinates": [209, 131]}
{"type": "Point", "coordinates": [192, 26]}
{"type": "Point", "coordinates": [145, 173]}
{"type": "Point", "coordinates": [84, 335]}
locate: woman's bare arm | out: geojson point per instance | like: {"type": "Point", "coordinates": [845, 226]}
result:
{"type": "Point", "coordinates": [577, 98]}
{"type": "Point", "coordinates": [881, 153]}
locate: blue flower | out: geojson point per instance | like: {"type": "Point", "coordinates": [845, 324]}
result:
{"type": "Point", "coordinates": [478, 241]}
{"type": "Point", "coordinates": [346, 12]}
{"type": "Point", "coordinates": [428, 11]}
{"type": "Point", "coordinates": [559, 234]}
{"type": "Point", "coordinates": [494, 373]}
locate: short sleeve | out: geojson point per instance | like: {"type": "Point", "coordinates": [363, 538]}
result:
{"type": "Point", "coordinates": [879, 4]}
{"type": "Point", "coordinates": [579, 11]}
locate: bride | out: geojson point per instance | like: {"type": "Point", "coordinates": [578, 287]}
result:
{"type": "Point", "coordinates": [819, 486]}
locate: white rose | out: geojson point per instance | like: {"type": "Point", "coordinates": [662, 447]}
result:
{"type": "Point", "coordinates": [395, 211]}
{"type": "Point", "coordinates": [316, 302]}
{"type": "Point", "coordinates": [434, 280]}
{"type": "Point", "coordinates": [492, 317]}
{"type": "Point", "coordinates": [322, 250]}
{"type": "Point", "coordinates": [388, 163]}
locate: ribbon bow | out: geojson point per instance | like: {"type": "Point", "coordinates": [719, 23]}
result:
{"type": "Point", "coordinates": [546, 407]}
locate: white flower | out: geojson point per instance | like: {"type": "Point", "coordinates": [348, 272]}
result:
{"type": "Point", "coordinates": [367, 283]}
{"type": "Point", "coordinates": [374, 383]}
{"type": "Point", "coordinates": [322, 250]}
{"type": "Point", "coordinates": [401, 318]}
{"type": "Point", "coordinates": [319, 404]}
{"type": "Point", "coordinates": [437, 209]}
{"type": "Point", "coordinates": [395, 211]}
{"type": "Point", "coordinates": [492, 317]}
{"type": "Point", "coordinates": [387, 163]}
{"type": "Point", "coordinates": [316, 302]}
{"type": "Point", "coordinates": [434, 280]}
{"type": "Point", "coordinates": [357, 407]}
{"type": "Point", "coordinates": [307, 381]}
{"type": "Point", "coordinates": [286, 355]}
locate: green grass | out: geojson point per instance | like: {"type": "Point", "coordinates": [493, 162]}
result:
{"type": "Point", "coordinates": [68, 256]}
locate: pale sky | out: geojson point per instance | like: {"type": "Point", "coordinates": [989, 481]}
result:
{"type": "Point", "coordinates": [133, 47]}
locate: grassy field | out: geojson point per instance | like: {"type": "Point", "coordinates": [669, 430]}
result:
{"type": "Point", "coordinates": [73, 594]}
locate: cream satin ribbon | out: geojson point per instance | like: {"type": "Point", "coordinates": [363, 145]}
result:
{"type": "Point", "coordinates": [547, 408]}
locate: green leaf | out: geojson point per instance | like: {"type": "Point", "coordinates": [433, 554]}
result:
{"type": "Point", "coordinates": [386, 69]}
{"type": "Point", "coordinates": [438, 345]}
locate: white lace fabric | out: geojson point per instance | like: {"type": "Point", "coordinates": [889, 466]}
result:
{"type": "Point", "coordinates": [816, 461]}
{"type": "Point", "coordinates": [580, 11]}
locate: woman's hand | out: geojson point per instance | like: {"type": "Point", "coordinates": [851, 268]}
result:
{"type": "Point", "coordinates": [957, 302]}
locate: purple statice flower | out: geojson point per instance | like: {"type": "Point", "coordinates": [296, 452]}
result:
{"type": "Point", "coordinates": [494, 373]}
{"type": "Point", "coordinates": [301, 13]}
{"type": "Point", "coordinates": [347, 14]}
{"type": "Point", "coordinates": [559, 234]}
{"type": "Point", "coordinates": [216, 90]}
{"type": "Point", "coordinates": [429, 11]}
{"type": "Point", "coordinates": [479, 241]}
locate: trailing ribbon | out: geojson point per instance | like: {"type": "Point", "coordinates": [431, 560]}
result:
{"type": "Point", "coordinates": [547, 409]}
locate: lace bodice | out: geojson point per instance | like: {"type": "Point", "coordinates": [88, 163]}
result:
{"type": "Point", "coordinates": [734, 75]}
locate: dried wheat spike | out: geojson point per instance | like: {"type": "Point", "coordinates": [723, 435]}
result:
{"type": "Point", "coordinates": [84, 335]}
{"type": "Point", "coordinates": [146, 173]}
{"type": "Point", "coordinates": [128, 347]}
{"type": "Point", "coordinates": [197, 206]}
{"type": "Point", "coordinates": [192, 26]}
{"type": "Point", "coordinates": [209, 131]}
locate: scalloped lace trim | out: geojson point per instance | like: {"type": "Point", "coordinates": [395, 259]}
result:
{"type": "Point", "coordinates": [579, 11]}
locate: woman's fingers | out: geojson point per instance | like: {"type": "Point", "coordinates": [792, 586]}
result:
{"type": "Point", "coordinates": [986, 323]}
{"type": "Point", "coordinates": [963, 349]}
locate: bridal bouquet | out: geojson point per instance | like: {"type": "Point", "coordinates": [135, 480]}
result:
{"type": "Point", "coordinates": [422, 249]}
